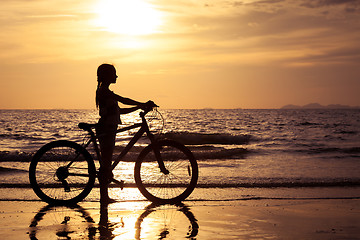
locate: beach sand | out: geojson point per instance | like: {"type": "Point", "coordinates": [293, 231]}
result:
{"type": "Point", "coordinates": [251, 218]}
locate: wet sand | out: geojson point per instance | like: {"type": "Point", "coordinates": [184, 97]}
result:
{"type": "Point", "coordinates": [236, 219]}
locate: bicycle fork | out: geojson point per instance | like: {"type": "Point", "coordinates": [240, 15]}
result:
{"type": "Point", "coordinates": [159, 159]}
{"type": "Point", "coordinates": [156, 149]}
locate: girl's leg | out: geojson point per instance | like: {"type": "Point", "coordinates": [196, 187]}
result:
{"type": "Point", "coordinates": [107, 144]}
{"type": "Point", "coordinates": [105, 169]}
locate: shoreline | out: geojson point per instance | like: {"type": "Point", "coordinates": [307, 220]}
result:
{"type": "Point", "coordinates": [318, 213]}
{"type": "Point", "coordinates": [216, 194]}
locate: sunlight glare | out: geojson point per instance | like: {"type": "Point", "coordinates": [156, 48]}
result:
{"type": "Point", "coordinates": [129, 17]}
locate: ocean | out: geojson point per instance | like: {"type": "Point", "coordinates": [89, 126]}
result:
{"type": "Point", "coordinates": [237, 148]}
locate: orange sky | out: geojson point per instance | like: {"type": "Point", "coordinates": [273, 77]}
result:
{"type": "Point", "coordinates": [181, 54]}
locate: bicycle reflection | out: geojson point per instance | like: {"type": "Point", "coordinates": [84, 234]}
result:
{"type": "Point", "coordinates": [66, 222]}
{"type": "Point", "coordinates": [74, 222]}
{"type": "Point", "coordinates": [167, 219]}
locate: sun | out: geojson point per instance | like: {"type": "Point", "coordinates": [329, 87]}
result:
{"type": "Point", "coordinates": [128, 17]}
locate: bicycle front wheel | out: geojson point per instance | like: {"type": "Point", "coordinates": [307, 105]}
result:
{"type": "Point", "coordinates": [172, 186]}
{"type": "Point", "coordinates": [62, 172]}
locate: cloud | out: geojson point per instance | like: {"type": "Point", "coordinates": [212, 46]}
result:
{"type": "Point", "coordinates": [323, 3]}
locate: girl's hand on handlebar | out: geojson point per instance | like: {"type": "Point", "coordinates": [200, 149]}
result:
{"type": "Point", "coordinates": [151, 104]}
{"type": "Point", "coordinates": [148, 106]}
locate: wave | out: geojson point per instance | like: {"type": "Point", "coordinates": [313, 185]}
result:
{"type": "Point", "coordinates": [252, 184]}
{"type": "Point", "coordinates": [306, 123]}
{"type": "Point", "coordinates": [18, 136]}
{"type": "Point", "coordinates": [353, 183]}
{"type": "Point", "coordinates": [355, 151]}
{"type": "Point", "coordinates": [6, 156]}
{"type": "Point", "coordinates": [190, 138]}
{"type": "Point", "coordinates": [236, 153]}
{"type": "Point", "coordinates": [200, 153]}
{"type": "Point", "coordinates": [351, 150]}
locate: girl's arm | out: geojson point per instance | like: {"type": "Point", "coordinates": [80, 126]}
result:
{"type": "Point", "coordinates": [128, 101]}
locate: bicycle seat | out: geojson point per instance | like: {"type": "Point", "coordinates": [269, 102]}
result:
{"type": "Point", "coordinates": [86, 126]}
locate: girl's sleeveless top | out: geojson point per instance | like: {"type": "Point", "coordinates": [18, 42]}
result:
{"type": "Point", "coordinates": [109, 109]}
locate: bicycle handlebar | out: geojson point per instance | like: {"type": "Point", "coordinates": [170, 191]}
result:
{"type": "Point", "coordinates": [150, 106]}
{"type": "Point", "coordinates": [145, 111]}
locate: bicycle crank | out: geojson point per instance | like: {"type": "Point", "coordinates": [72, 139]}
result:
{"type": "Point", "coordinates": [62, 173]}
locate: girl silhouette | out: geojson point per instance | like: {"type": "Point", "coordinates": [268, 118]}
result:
{"type": "Point", "coordinates": [109, 111]}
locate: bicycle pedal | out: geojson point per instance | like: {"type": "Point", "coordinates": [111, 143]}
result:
{"type": "Point", "coordinates": [65, 185]}
{"type": "Point", "coordinates": [120, 183]}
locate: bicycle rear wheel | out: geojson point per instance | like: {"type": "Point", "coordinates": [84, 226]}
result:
{"type": "Point", "coordinates": [62, 172]}
{"type": "Point", "coordinates": [174, 186]}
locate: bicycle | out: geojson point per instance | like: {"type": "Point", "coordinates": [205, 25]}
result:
{"type": "Point", "coordinates": [63, 172]}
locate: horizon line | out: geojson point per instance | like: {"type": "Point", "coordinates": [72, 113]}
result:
{"type": "Point", "coordinates": [280, 108]}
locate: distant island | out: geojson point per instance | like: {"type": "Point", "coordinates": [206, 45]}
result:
{"type": "Point", "coordinates": [319, 106]}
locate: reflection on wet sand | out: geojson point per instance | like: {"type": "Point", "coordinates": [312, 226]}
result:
{"type": "Point", "coordinates": [153, 222]}
{"type": "Point", "coordinates": [62, 222]}
{"type": "Point", "coordinates": [169, 217]}
{"type": "Point", "coordinates": [107, 228]}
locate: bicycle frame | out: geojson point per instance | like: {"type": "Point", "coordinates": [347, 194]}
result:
{"type": "Point", "coordinates": [144, 128]}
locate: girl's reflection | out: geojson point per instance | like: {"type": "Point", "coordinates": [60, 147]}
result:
{"type": "Point", "coordinates": [106, 228]}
